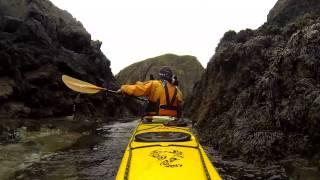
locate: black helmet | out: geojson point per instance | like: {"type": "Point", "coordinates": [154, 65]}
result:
{"type": "Point", "coordinates": [165, 73]}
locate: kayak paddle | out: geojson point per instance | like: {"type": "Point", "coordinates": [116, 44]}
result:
{"type": "Point", "coordinates": [85, 87]}
{"type": "Point", "coordinates": [82, 86]}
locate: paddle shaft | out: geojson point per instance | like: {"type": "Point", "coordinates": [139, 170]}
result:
{"type": "Point", "coordinates": [115, 92]}
{"type": "Point", "coordinates": [88, 88]}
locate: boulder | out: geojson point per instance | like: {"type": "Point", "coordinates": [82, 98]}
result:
{"type": "Point", "coordinates": [187, 68]}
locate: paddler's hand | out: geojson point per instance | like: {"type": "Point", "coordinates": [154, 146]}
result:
{"type": "Point", "coordinates": [119, 91]}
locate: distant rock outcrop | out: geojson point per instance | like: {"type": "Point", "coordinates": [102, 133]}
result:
{"type": "Point", "coordinates": [187, 68]}
{"type": "Point", "coordinates": [260, 95]}
{"type": "Point", "coordinates": [39, 43]}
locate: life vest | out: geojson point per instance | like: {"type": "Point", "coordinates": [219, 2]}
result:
{"type": "Point", "coordinates": [163, 96]}
{"type": "Point", "coordinates": [168, 100]}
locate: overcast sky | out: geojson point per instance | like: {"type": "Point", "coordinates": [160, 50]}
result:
{"type": "Point", "coordinates": [134, 30]}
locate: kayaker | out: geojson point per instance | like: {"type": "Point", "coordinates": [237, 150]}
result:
{"type": "Point", "coordinates": [165, 98]}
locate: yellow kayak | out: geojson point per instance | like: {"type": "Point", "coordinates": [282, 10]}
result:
{"type": "Point", "coordinates": [160, 152]}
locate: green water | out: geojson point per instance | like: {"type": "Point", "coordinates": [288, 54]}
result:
{"type": "Point", "coordinates": [32, 147]}
{"type": "Point", "coordinates": [62, 154]}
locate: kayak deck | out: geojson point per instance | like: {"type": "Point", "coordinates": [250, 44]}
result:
{"type": "Point", "coordinates": [159, 156]}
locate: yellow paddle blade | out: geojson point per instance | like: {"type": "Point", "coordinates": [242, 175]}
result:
{"type": "Point", "coordinates": [80, 86]}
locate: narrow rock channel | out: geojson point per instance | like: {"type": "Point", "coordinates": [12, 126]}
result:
{"type": "Point", "coordinates": [59, 154]}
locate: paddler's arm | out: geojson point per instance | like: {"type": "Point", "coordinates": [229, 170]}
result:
{"type": "Point", "coordinates": [139, 89]}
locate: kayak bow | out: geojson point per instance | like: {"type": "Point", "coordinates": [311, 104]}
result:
{"type": "Point", "coordinates": [160, 152]}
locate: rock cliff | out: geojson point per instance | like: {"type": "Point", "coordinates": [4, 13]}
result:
{"type": "Point", "coordinates": [292, 11]}
{"type": "Point", "coordinates": [39, 43]}
{"type": "Point", "coordinates": [259, 97]}
{"type": "Point", "coordinates": [187, 68]}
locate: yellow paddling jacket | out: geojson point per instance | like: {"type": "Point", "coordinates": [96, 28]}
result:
{"type": "Point", "coordinates": [164, 97]}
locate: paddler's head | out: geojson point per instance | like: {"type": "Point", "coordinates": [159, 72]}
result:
{"type": "Point", "coordinates": [165, 73]}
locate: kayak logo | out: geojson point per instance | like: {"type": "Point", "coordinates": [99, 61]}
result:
{"type": "Point", "coordinates": [168, 158]}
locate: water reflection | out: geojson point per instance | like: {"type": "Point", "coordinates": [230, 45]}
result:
{"type": "Point", "coordinates": [31, 147]}
{"type": "Point", "coordinates": [89, 156]}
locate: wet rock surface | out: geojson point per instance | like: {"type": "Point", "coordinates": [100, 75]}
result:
{"type": "Point", "coordinates": [39, 43]}
{"type": "Point", "coordinates": [258, 99]}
